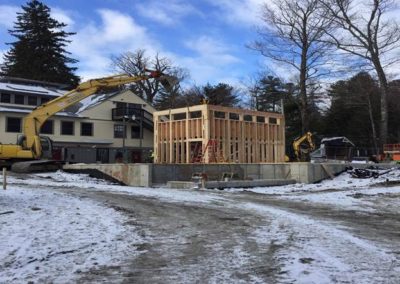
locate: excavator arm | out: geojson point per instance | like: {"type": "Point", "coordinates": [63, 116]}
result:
{"type": "Point", "coordinates": [34, 121]}
{"type": "Point", "coordinates": [308, 137]}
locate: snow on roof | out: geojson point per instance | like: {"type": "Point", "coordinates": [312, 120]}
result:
{"type": "Point", "coordinates": [29, 110]}
{"type": "Point", "coordinates": [94, 100]}
{"type": "Point", "coordinates": [29, 89]}
{"type": "Point", "coordinates": [339, 139]}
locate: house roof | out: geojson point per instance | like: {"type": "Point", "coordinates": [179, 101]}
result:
{"type": "Point", "coordinates": [94, 100]}
{"type": "Point", "coordinates": [97, 99]}
{"type": "Point", "coordinates": [13, 109]}
{"type": "Point", "coordinates": [29, 89]}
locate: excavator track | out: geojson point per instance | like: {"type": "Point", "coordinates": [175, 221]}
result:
{"type": "Point", "coordinates": [36, 166]}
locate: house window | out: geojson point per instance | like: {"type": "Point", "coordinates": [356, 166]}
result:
{"type": "Point", "coordinates": [67, 128]}
{"type": "Point", "coordinates": [119, 131]}
{"type": "Point", "coordinates": [13, 124]}
{"type": "Point", "coordinates": [5, 98]}
{"type": "Point", "coordinates": [19, 99]}
{"type": "Point", "coordinates": [32, 100]}
{"type": "Point", "coordinates": [86, 129]}
{"type": "Point", "coordinates": [47, 127]}
{"type": "Point", "coordinates": [44, 100]}
{"type": "Point", "coordinates": [135, 132]}
{"type": "Point", "coordinates": [121, 105]}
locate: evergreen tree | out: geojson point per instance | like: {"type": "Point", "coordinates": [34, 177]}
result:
{"type": "Point", "coordinates": [269, 92]}
{"type": "Point", "coordinates": [167, 100]}
{"type": "Point", "coordinates": [39, 52]}
{"type": "Point", "coordinates": [221, 94]}
{"type": "Point", "coordinates": [354, 112]}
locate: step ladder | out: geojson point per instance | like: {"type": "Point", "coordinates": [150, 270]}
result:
{"type": "Point", "coordinates": [215, 153]}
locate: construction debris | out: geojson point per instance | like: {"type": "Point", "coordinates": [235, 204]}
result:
{"type": "Point", "coordinates": [371, 172]}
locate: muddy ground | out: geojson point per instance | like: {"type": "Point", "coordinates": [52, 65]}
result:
{"type": "Point", "coordinates": [247, 237]}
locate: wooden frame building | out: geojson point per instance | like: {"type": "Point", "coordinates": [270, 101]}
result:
{"type": "Point", "coordinates": [215, 134]}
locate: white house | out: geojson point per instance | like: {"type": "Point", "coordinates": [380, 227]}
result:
{"type": "Point", "coordinates": [97, 129]}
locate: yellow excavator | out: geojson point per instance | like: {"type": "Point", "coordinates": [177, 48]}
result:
{"type": "Point", "coordinates": [302, 147]}
{"type": "Point", "coordinates": [29, 146]}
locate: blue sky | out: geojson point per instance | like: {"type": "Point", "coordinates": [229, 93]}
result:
{"type": "Point", "coordinates": [207, 37]}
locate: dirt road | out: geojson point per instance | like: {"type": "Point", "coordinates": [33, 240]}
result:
{"type": "Point", "coordinates": [246, 237]}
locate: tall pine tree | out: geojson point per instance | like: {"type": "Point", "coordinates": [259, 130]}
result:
{"type": "Point", "coordinates": [39, 52]}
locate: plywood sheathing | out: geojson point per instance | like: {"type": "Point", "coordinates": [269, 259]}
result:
{"type": "Point", "coordinates": [242, 136]}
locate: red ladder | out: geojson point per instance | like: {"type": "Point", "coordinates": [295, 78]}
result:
{"type": "Point", "coordinates": [215, 154]}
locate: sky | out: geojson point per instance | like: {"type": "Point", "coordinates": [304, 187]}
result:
{"type": "Point", "coordinates": [206, 37]}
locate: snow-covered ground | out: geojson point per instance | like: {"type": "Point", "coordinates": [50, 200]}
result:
{"type": "Point", "coordinates": [48, 235]}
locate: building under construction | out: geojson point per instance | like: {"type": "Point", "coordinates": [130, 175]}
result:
{"type": "Point", "coordinates": [214, 134]}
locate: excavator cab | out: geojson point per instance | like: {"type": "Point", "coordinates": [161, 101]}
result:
{"type": "Point", "coordinates": [45, 142]}
{"type": "Point", "coordinates": [301, 148]}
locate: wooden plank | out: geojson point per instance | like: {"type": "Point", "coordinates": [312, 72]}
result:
{"type": "Point", "coordinates": [327, 171]}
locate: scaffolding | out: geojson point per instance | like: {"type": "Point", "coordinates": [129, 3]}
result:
{"type": "Point", "coordinates": [215, 134]}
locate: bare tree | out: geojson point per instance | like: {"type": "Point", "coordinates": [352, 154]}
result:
{"type": "Point", "coordinates": [135, 64]}
{"type": "Point", "coordinates": [292, 36]}
{"type": "Point", "coordinates": [362, 30]}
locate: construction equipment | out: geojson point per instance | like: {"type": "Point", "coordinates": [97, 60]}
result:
{"type": "Point", "coordinates": [31, 146]}
{"type": "Point", "coordinates": [334, 148]}
{"type": "Point", "coordinates": [392, 152]}
{"type": "Point", "coordinates": [302, 147]}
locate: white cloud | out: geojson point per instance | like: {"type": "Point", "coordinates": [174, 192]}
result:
{"type": "Point", "coordinates": [95, 43]}
{"type": "Point", "coordinates": [62, 16]}
{"type": "Point", "coordinates": [213, 60]}
{"type": "Point", "coordinates": [167, 13]}
{"type": "Point", "coordinates": [8, 15]}
{"type": "Point", "coordinates": [212, 50]}
{"type": "Point", "coordinates": [240, 12]}
{"type": "Point", "coordinates": [2, 52]}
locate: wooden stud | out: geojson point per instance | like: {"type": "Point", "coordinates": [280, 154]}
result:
{"type": "Point", "coordinates": [242, 141]}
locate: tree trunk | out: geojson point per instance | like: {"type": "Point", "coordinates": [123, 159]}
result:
{"type": "Point", "coordinates": [384, 94]}
{"type": "Point", "coordinates": [305, 122]}
{"type": "Point", "coordinates": [371, 119]}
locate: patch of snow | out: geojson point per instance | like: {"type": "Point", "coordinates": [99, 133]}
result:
{"type": "Point", "coordinates": [84, 181]}
{"type": "Point", "coordinates": [30, 89]}
{"type": "Point", "coordinates": [93, 100]}
{"type": "Point", "coordinates": [24, 110]}
{"type": "Point", "coordinates": [318, 252]}
{"type": "Point", "coordinates": [53, 237]}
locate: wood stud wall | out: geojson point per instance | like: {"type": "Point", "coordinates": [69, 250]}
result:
{"type": "Point", "coordinates": [243, 136]}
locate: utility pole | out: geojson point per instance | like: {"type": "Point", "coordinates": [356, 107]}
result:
{"type": "Point", "coordinates": [123, 139]}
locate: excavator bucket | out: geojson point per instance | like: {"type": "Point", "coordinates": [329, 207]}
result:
{"type": "Point", "coordinates": [168, 81]}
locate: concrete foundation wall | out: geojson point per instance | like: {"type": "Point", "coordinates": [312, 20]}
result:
{"type": "Point", "coordinates": [301, 172]}
{"type": "Point", "coordinates": [128, 174]}
{"type": "Point", "coordinates": [147, 175]}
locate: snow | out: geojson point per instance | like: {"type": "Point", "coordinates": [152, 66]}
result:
{"type": "Point", "coordinates": [83, 181]}
{"type": "Point", "coordinates": [93, 101]}
{"type": "Point", "coordinates": [25, 110]}
{"type": "Point", "coordinates": [50, 232]}
{"type": "Point", "coordinates": [30, 89]}
{"type": "Point", "coordinates": [46, 234]}
{"type": "Point", "coordinates": [329, 252]}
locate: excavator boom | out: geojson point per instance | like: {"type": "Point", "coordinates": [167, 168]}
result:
{"type": "Point", "coordinates": [30, 147]}
{"type": "Point", "coordinates": [297, 145]}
